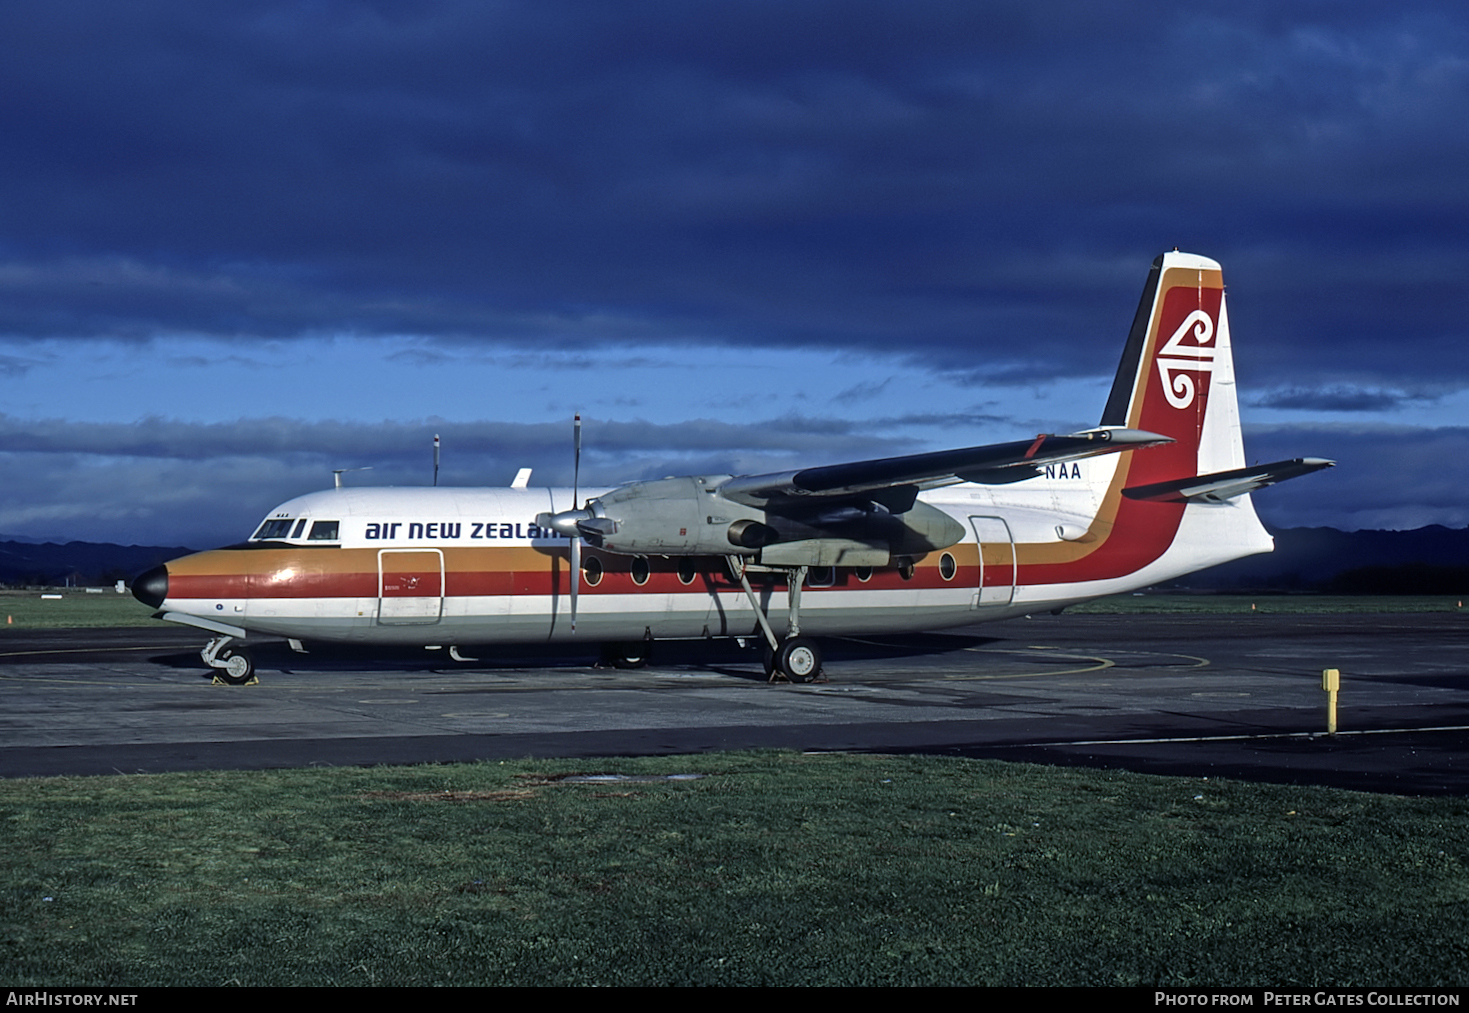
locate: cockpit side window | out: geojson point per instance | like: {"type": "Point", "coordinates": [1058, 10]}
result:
{"type": "Point", "coordinates": [275, 528]}
{"type": "Point", "coordinates": [300, 527]}
{"type": "Point", "coordinates": [324, 531]}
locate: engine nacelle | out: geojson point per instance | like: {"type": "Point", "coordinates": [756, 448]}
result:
{"type": "Point", "coordinates": [675, 517]}
{"type": "Point", "coordinates": [689, 517]}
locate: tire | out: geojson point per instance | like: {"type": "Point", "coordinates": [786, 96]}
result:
{"type": "Point", "coordinates": [238, 669]}
{"type": "Point", "coordinates": [633, 654]}
{"type": "Point", "coordinates": [769, 659]}
{"type": "Point", "coordinates": [799, 659]}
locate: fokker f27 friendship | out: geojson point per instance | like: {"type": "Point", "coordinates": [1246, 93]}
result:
{"type": "Point", "coordinates": [1159, 489]}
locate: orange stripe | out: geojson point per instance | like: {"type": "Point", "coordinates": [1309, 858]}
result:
{"type": "Point", "coordinates": [487, 572]}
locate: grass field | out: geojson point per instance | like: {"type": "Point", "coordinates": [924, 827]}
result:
{"type": "Point", "coordinates": [73, 610]}
{"type": "Point", "coordinates": [771, 868]}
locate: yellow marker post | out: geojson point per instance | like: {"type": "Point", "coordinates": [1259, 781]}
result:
{"type": "Point", "coordinates": [1331, 682]}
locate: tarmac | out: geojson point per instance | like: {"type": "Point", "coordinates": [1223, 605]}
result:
{"type": "Point", "coordinates": [1195, 696]}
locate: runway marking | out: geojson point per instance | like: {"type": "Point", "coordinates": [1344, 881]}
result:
{"type": "Point", "coordinates": [1101, 664]}
{"type": "Point", "coordinates": [1197, 661]}
{"type": "Point", "coordinates": [88, 682]}
{"type": "Point", "coordinates": [93, 650]}
{"type": "Point", "coordinates": [1242, 738]}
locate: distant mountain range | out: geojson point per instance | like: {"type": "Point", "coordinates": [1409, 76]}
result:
{"type": "Point", "coordinates": [80, 564]}
{"type": "Point", "coordinates": [1431, 560]}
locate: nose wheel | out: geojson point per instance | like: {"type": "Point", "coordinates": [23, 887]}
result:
{"type": "Point", "coordinates": [239, 667]}
{"type": "Point", "coordinates": [233, 665]}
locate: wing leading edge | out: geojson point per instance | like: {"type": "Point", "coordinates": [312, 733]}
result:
{"type": "Point", "coordinates": [996, 464]}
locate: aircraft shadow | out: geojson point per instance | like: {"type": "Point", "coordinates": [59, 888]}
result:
{"type": "Point", "coordinates": [719, 657]}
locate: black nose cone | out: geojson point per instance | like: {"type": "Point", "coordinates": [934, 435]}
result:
{"type": "Point", "coordinates": [152, 587]}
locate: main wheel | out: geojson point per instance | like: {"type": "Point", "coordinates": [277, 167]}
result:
{"type": "Point", "coordinates": [799, 659]}
{"type": "Point", "coordinates": [632, 654]}
{"type": "Point", "coordinates": [239, 666]}
{"type": "Point", "coordinates": [770, 659]}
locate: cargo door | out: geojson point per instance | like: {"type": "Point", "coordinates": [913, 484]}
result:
{"type": "Point", "coordinates": [410, 587]}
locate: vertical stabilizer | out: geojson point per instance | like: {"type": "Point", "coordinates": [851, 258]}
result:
{"type": "Point", "coordinates": [1177, 374]}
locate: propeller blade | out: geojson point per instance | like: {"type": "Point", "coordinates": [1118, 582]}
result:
{"type": "Point", "coordinates": [575, 577]}
{"type": "Point", "coordinates": [575, 493]}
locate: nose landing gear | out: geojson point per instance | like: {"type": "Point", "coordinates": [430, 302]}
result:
{"type": "Point", "coordinates": [233, 665]}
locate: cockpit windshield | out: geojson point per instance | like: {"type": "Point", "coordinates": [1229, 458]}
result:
{"type": "Point", "coordinates": [276, 527]}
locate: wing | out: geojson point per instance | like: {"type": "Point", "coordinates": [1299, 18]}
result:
{"type": "Point", "coordinates": [1225, 485]}
{"type": "Point", "coordinates": [996, 464]}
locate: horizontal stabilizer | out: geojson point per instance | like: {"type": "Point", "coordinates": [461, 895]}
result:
{"type": "Point", "coordinates": [994, 464]}
{"type": "Point", "coordinates": [1226, 485]}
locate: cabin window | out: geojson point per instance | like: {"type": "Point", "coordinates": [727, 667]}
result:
{"type": "Point", "coordinates": [324, 531]}
{"type": "Point", "coordinates": [821, 576]}
{"type": "Point", "coordinates": [906, 569]}
{"type": "Point", "coordinates": [640, 571]}
{"type": "Point", "coordinates": [279, 528]}
{"type": "Point", "coordinates": [591, 569]}
{"type": "Point", "coordinates": [864, 573]}
{"type": "Point", "coordinates": [947, 566]}
{"type": "Point", "coordinates": [686, 571]}
{"type": "Point", "coordinates": [300, 527]}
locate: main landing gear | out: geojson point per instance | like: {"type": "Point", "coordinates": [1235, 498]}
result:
{"type": "Point", "coordinates": [232, 663]}
{"type": "Point", "coordinates": [629, 654]}
{"type": "Point", "coordinates": [794, 658]}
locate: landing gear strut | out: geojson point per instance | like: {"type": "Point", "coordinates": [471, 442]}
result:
{"type": "Point", "coordinates": [794, 658]}
{"type": "Point", "coordinates": [232, 665]}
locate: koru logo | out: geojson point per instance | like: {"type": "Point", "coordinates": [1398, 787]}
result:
{"type": "Point", "coordinates": [1178, 386]}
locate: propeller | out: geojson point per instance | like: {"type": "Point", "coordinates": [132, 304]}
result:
{"type": "Point", "coordinates": [575, 491]}
{"type": "Point", "coordinates": [569, 522]}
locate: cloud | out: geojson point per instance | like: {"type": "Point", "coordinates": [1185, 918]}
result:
{"type": "Point", "coordinates": [1341, 399]}
{"type": "Point", "coordinates": [142, 483]}
{"type": "Point", "coordinates": [1387, 476]}
{"type": "Point", "coordinates": [177, 482]}
{"type": "Point", "coordinates": [974, 189]}
{"type": "Point", "coordinates": [15, 365]}
{"type": "Point", "coordinates": [960, 181]}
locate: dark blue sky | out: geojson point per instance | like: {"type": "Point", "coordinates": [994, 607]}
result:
{"type": "Point", "coordinates": [243, 244]}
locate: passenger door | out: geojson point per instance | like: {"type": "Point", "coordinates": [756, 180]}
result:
{"type": "Point", "coordinates": [410, 587]}
{"type": "Point", "coordinates": [996, 562]}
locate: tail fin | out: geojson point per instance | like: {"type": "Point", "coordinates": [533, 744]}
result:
{"type": "Point", "coordinates": [1166, 510]}
{"type": "Point", "coordinates": [1177, 374]}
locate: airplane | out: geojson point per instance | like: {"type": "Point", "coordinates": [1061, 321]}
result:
{"type": "Point", "coordinates": [1158, 489]}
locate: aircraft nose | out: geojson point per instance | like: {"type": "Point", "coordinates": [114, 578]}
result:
{"type": "Point", "coordinates": [151, 587]}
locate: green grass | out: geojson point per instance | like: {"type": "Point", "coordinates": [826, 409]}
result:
{"type": "Point", "coordinates": [22, 610]}
{"type": "Point", "coordinates": [775, 868]}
